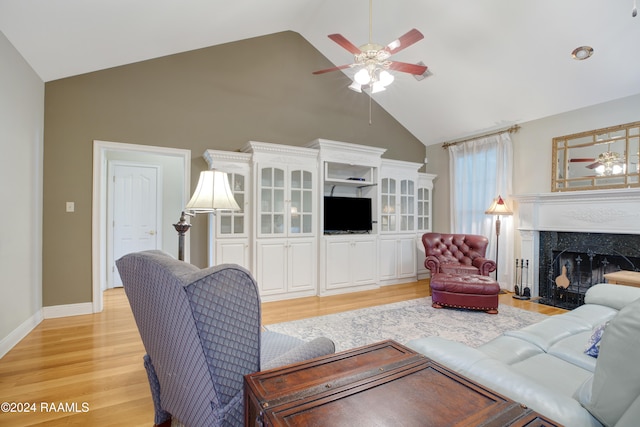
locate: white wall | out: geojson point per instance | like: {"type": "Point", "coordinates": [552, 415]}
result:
{"type": "Point", "coordinates": [21, 155]}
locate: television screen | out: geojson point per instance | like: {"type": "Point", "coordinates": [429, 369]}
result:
{"type": "Point", "coordinates": [347, 215]}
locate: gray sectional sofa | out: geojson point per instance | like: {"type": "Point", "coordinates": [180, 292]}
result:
{"type": "Point", "coordinates": [544, 366]}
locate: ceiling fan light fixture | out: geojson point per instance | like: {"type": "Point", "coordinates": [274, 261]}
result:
{"type": "Point", "coordinates": [356, 87]}
{"type": "Point", "coordinates": [386, 78]}
{"type": "Point", "coordinates": [611, 163]}
{"type": "Point", "coordinates": [377, 87]}
{"type": "Point", "coordinates": [362, 77]}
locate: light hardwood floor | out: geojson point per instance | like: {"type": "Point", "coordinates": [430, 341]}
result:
{"type": "Point", "coordinates": [87, 370]}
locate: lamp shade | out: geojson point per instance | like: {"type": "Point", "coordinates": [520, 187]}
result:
{"type": "Point", "coordinates": [498, 207]}
{"type": "Point", "coordinates": [213, 193]}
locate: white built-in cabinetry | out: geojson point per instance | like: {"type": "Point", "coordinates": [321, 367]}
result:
{"type": "Point", "coordinates": [285, 179]}
{"type": "Point", "coordinates": [230, 232]}
{"type": "Point", "coordinates": [278, 233]}
{"type": "Point", "coordinates": [424, 218]}
{"type": "Point", "coordinates": [348, 262]}
{"type": "Point", "coordinates": [398, 206]}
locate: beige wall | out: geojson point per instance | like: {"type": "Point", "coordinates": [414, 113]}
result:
{"type": "Point", "coordinates": [532, 151]}
{"type": "Point", "coordinates": [221, 97]}
{"type": "Point", "coordinates": [21, 129]}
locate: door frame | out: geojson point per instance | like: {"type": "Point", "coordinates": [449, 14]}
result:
{"type": "Point", "coordinates": [111, 165]}
{"type": "Point", "coordinates": [99, 206]}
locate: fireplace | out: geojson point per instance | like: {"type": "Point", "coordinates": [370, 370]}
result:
{"type": "Point", "coordinates": [573, 238]}
{"type": "Point", "coordinates": [570, 263]}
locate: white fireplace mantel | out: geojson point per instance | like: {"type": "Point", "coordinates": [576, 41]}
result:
{"type": "Point", "coordinates": [596, 211]}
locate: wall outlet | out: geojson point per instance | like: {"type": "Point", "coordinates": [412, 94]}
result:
{"type": "Point", "coordinates": [71, 207]}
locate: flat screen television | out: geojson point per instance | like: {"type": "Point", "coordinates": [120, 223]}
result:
{"type": "Point", "coordinates": [347, 215]}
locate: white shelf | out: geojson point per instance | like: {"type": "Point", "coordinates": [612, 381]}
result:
{"type": "Point", "coordinates": [349, 182]}
{"type": "Point", "coordinates": [347, 174]}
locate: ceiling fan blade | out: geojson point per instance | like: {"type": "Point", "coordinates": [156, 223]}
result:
{"type": "Point", "coordinates": [404, 41]}
{"type": "Point", "coordinates": [328, 70]}
{"type": "Point", "coordinates": [339, 38]}
{"type": "Point", "coordinates": [408, 68]}
{"type": "Point", "coordinates": [593, 165]}
{"type": "Point", "coordinates": [582, 159]}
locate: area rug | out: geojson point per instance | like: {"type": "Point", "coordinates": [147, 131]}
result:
{"type": "Point", "coordinates": [406, 320]}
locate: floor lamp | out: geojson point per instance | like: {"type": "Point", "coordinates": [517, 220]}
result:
{"type": "Point", "coordinates": [498, 207]}
{"type": "Point", "coordinates": [213, 193]}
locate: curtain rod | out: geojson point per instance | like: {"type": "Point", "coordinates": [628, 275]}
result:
{"type": "Point", "coordinates": [512, 129]}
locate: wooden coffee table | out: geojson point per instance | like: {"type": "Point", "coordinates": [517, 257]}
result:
{"type": "Point", "coordinates": [376, 385]}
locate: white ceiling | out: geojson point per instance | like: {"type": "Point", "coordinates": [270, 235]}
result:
{"type": "Point", "coordinates": [494, 62]}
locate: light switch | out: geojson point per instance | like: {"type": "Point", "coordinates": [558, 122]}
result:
{"type": "Point", "coordinates": [71, 207]}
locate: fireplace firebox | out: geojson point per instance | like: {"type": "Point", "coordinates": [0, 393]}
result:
{"type": "Point", "coordinates": [572, 262]}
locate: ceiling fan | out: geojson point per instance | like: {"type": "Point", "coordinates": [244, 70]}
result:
{"type": "Point", "coordinates": [373, 60]}
{"type": "Point", "coordinates": [607, 163]}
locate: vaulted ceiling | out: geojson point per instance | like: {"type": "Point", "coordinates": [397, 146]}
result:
{"type": "Point", "coordinates": [494, 62]}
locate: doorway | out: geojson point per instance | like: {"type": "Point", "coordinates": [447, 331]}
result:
{"type": "Point", "coordinates": [173, 186]}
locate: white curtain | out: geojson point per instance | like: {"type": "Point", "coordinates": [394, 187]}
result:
{"type": "Point", "coordinates": [481, 170]}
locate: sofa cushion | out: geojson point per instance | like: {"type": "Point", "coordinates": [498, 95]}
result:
{"type": "Point", "coordinates": [614, 296]}
{"type": "Point", "coordinates": [592, 315]}
{"type": "Point", "coordinates": [552, 372]}
{"type": "Point", "coordinates": [571, 349]}
{"type": "Point", "coordinates": [616, 380]}
{"type": "Point", "coordinates": [546, 333]}
{"type": "Point", "coordinates": [509, 350]}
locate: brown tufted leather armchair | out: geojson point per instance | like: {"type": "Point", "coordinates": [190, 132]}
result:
{"type": "Point", "coordinates": [457, 254]}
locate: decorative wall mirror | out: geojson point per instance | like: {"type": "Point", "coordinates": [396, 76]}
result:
{"type": "Point", "coordinates": [597, 159]}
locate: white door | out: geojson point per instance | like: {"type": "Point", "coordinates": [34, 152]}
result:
{"type": "Point", "coordinates": [135, 212]}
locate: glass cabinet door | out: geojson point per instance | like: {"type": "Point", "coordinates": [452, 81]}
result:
{"type": "Point", "coordinates": [272, 201]}
{"type": "Point", "coordinates": [388, 211]}
{"type": "Point", "coordinates": [301, 209]}
{"type": "Point", "coordinates": [424, 221]}
{"type": "Point", "coordinates": [233, 223]}
{"type": "Point", "coordinates": [407, 203]}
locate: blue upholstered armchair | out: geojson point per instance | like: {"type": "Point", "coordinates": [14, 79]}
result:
{"type": "Point", "coordinates": [202, 333]}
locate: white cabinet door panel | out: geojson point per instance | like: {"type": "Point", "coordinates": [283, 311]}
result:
{"type": "Point", "coordinates": [338, 271]}
{"type": "Point", "coordinates": [228, 252]}
{"type": "Point", "coordinates": [388, 265]}
{"type": "Point", "coordinates": [272, 268]}
{"type": "Point", "coordinates": [363, 262]}
{"type": "Point", "coordinates": [302, 261]}
{"type": "Point", "coordinates": [407, 258]}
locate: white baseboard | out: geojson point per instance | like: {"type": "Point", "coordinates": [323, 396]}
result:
{"type": "Point", "coordinates": [8, 342]}
{"type": "Point", "coordinates": [56, 311]}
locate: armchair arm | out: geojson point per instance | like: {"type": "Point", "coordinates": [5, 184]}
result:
{"type": "Point", "coordinates": [484, 265]}
{"type": "Point", "coordinates": [433, 264]}
{"type": "Point", "coordinates": [305, 350]}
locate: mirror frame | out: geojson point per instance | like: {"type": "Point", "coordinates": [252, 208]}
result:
{"type": "Point", "coordinates": [561, 179]}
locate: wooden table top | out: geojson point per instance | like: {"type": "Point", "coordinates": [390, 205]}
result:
{"type": "Point", "coordinates": [624, 277]}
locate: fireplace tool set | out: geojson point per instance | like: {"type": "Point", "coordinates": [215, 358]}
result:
{"type": "Point", "coordinates": [522, 270]}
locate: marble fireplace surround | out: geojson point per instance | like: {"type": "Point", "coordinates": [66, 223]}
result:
{"type": "Point", "coordinates": [596, 211]}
